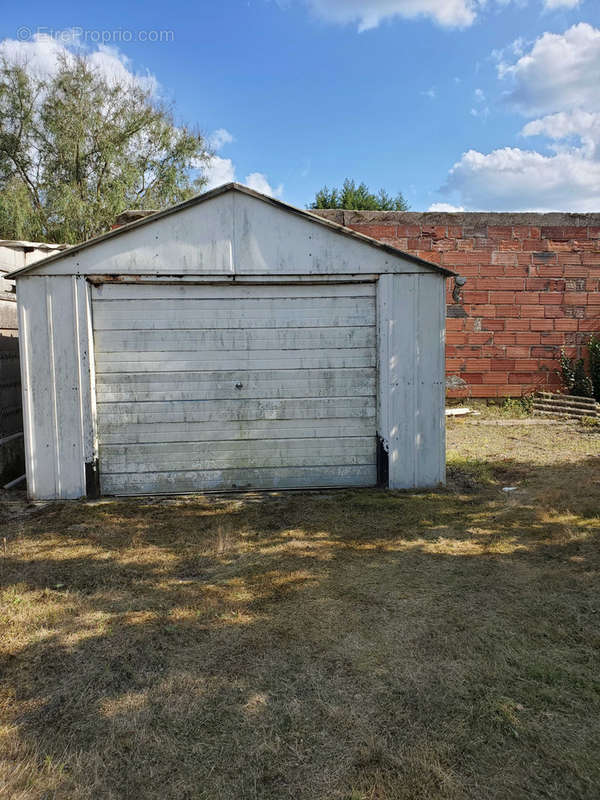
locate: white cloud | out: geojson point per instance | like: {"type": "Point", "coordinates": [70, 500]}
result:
{"type": "Point", "coordinates": [222, 170]}
{"type": "Point", "coordinates": [566, 126]}
{"type": "Point", "coordinates": [430, 93]}
{"type": "Point", "coordinates": [117, 67]}
{"type": "Point", "coordinates": [369, 14]}
{"type": "Point", "coordinates": [512, 179]}
{"type": "Point", "coordinates": [482, 113]}
{"type": "Point", "coordinates": [445, 207]}
{"type": "Point", "coordinates": [555, 83]}
{"type": "Point", "coordinates": [552, 4]}
{"type": "Point", "coordinates": [481, 110]}
{"type": "Point", "coordinates": [219, 138]}
{"type": "Point", "coordinates": [259, 182]}
{"type": "Point", "coordinates": [41, 55]}
{"type": "Point", "coordinates": [218, 171]}
{"type": "Point", "coordinates": [515, 48]}
{"type": "Point", "coordinates": [560, 72]}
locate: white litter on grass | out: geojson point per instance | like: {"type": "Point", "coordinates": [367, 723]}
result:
{"type": "Point", "coordinates": [458, 412]}
{"type": "Point", "coordinates": [509, 489]}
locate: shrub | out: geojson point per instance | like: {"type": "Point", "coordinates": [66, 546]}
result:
{"type": "Point", "coordinates": [574, 377]}
{"type": "Point", "coordinates": [517, 406]}
{"type": "Point", "coordinates": [594, 350]}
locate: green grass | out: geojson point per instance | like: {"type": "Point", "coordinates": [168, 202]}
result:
{"type": "Point", "coordinates": [352, 645]}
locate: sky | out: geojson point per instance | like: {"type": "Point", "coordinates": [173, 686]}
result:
{"type": "Point", "coordinates": [487, 105]}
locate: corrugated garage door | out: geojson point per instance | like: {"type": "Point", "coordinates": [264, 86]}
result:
{"type": "Point", "coordinates": [230, 387]}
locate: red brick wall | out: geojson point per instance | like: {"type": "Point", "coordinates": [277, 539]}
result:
{"type": "Point", "coordinates": [533, 286]}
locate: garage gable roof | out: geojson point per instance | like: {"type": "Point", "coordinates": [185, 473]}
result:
{"type": "Point", "coordinates": [146, 264]}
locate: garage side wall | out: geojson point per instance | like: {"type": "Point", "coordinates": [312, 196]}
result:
{"type": "Point", "coordinates": [411, 419]}
{"type": "Point", "coordinates": [54, 344]}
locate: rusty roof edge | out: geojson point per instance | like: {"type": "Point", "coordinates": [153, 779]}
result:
{"type": "Point", "coordinates": [227, 187]}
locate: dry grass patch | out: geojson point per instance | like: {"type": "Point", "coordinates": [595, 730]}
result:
{"type": "Point", "coordinates": [354, 645]}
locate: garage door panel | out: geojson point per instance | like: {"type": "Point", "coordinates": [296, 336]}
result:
{"type": "Point", "coordinates": [238, 359]}
{"type": "Point", "coordinates": [224, 480]}
{"type": "Point", "coordinates": [115, 381]}
{"type": "Point", "coordinates": [231, 291]}
{"type": "Point", "coordinates": [276, 319]}
{"type": "Point", "coordinates": [237, 390]}
{"type": "Point", "coordinates": [249, 385]}
{"type": "Point", "coordinates": [210, 314]}
{"type": "Point", "coordinates": [240, 410]}
{"type": "Point", "coordinates": [121, 343]}
{"type": "Point", "coordinates": [253, 453]}
{"type": "Point", "coordinates": [254, 305]}
{"type": "Point", "coordinates": [169, 432]}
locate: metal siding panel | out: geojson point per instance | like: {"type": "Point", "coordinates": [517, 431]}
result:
{"type": "Point", "coordinates": [38, 388]}
{"type": "Point", "coordinates": [86, 368]}
{"type": "Point", "coordinates": [271, 240]}
{"type": "Point", "coordinates": [430, 384]}
{"type": "Point", "coordinates": [403, 374]}
{"type": "Point", "coordinates": [70, 461]}
{"type": "Point", "coordinates": [52, 379]}
{"type": "Point", "coordinates": [411, 388]}
{"type": "Point", "coordinates": [195, 240]}
{"type": "Point", "coordinates": [25, 304]}
{"type": "Point", "coordinates": [383, 343]}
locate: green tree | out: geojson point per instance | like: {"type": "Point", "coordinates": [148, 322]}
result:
{"type": "Point", "coordinates": [358, 198]}
{"type": "Point", "coordinates": [78, 148]}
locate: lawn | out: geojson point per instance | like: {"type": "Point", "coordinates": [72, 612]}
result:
{"type": "Point", "coordinates": [351, 645]}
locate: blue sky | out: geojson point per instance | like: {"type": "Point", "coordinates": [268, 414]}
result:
{"type": "Point", "coordinates": [487, 106]}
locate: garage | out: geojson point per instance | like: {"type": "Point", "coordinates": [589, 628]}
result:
{"type": "Point", "coordinates": [231, 342]}
{"type": "Point", "coordinates": [226, 387]}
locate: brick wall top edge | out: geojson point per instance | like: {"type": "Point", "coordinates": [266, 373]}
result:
{"type": "Point", "coordinates": [498, 218]}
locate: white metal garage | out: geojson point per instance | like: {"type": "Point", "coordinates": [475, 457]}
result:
{"type": "Point", "coordinates": [231, 342]}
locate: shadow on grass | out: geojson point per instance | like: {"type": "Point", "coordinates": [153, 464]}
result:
{"type": "Point", "coordinates": [360, 644]}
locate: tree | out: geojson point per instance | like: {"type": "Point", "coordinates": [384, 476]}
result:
{"type": "Point", "coordinates": [358, 198]}
{"type": "Point", "coordinates": [78, 148]}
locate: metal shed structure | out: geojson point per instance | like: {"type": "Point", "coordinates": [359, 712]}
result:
{"type": "Point", "coordinates": [231, 342]}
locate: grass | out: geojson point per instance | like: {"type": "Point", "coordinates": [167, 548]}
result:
{"type": "Point", "coordinates": [354, 645]}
